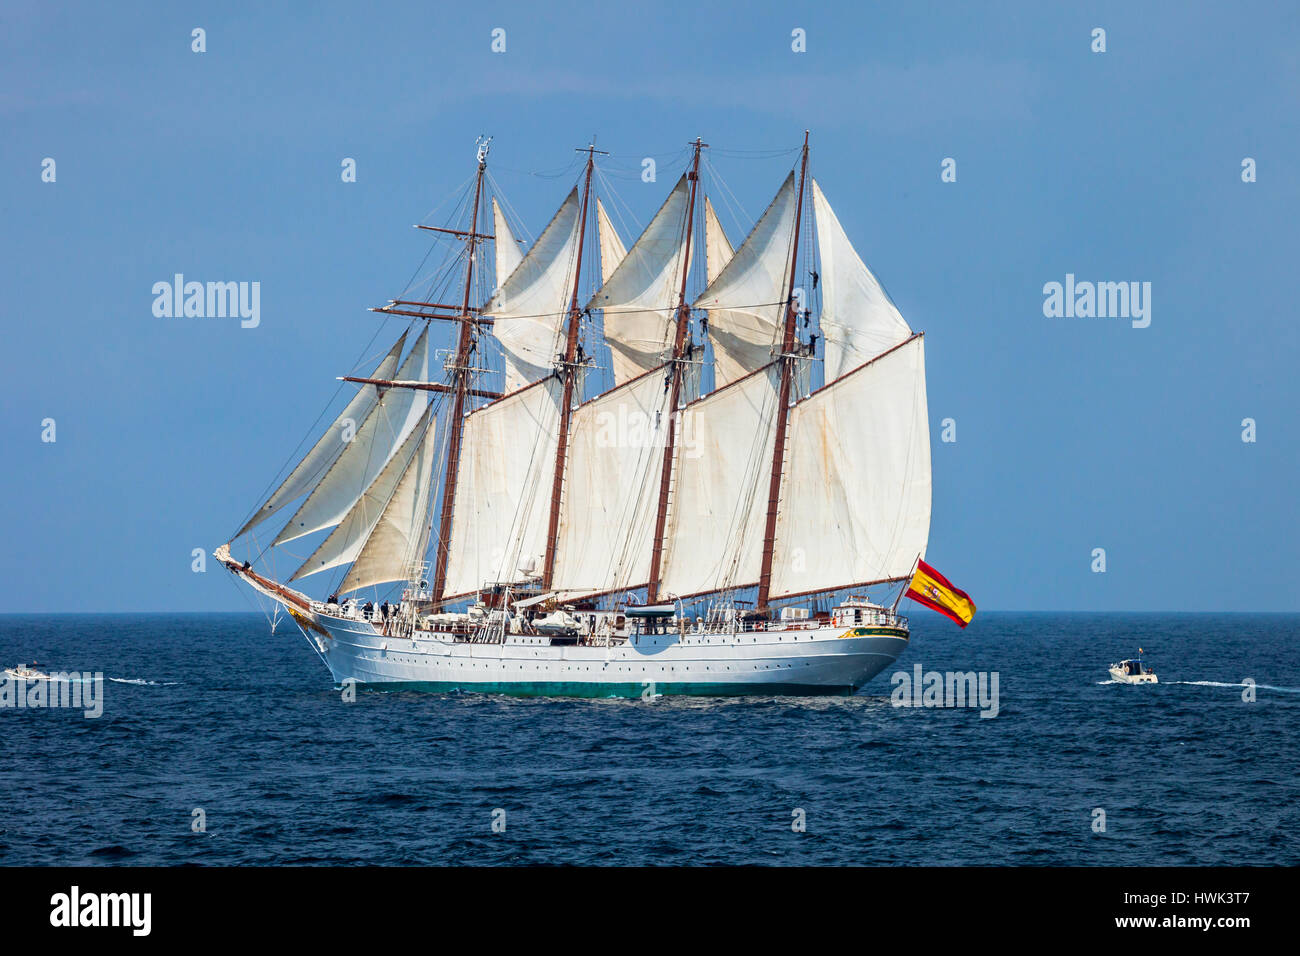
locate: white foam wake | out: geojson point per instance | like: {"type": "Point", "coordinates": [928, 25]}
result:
{"type": "Point", "coordinates": [1218, 683]}
{"type": "Point", "coordinates": [141, 682]}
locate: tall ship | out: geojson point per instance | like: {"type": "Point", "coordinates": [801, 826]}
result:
{"type": "Point", "coordinates": [591, 469]}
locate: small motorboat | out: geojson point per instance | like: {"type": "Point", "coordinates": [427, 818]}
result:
{"type": "Point", "coordinates": [23, 672]}
{"type": "Point", "coordinates": [1136, 671]}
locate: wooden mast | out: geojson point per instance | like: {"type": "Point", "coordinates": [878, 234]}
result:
{"type": "Point", "coordinates": [570, 372]}
{"type": "Point", "coordinates": [683, 328]}
{"type": "Point", "coordinates": [460, 376]}
{"type": "Point", "coordinates": [783, 400]}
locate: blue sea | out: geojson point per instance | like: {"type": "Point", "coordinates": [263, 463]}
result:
{"type": "Point", "coordinates": [215, 713]}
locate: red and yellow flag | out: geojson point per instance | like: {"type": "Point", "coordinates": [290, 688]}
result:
{"type": "Point", "coordinates": [936, 592]}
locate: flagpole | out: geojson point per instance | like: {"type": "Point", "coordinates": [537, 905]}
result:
{"type": "Point", "coordinates": [899, 600]}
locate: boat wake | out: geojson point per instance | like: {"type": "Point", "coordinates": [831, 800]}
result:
{"type": "Point", "coordinates": [140, 682]}
{"type": "Point", "coordinates": [1216, 683]}
{"type": "Point", "coordinates": [1219, 683]}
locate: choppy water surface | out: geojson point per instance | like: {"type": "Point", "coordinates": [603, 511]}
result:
{"type": "Point", "coordinates": [213, 712]}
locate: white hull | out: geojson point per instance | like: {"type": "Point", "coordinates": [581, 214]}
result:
{"type": "Point", "coordinates": [1120, 677]}
{"type": "Point", "coordinates": [792, 660]}
{"type": "Point", "coordinates": [22, 674]}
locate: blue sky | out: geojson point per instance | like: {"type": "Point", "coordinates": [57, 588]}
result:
{"type": "Point", "coordinates": [1073, 434]}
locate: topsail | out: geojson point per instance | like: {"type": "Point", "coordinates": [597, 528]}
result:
{"type": "Point", "coordinates": [747, 301]}
{"type": "Point", "coordinates": [639, 298]}
{"type": "Point", "coordinates": [858, 320]}
{"type": "Point", "coordinates": [530, 306]}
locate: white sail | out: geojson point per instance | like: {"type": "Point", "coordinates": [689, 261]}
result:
{"type": "Point", "coordinates": [640, 298]}
{"type": "Point", "coordinates": [855, 497]}
{"type": "Point", "coordinates": [717, 247]}
{"type": "Point", "coordinates": [503, 489]}
{"type": "Point", "coordinates": [324, 453]}
{"type": "Point", "coordinates": [746, 302]}
{"type": "Point", "coordinates": [508, 252]}
{"type": "Point", "coordinates": [723, 465]}
{"type": "Point", "coordinates": [858, 320]}
{"type": "Point", "coordinates": [611, 487]}
{"type": "Point", "coordinates": [530, 307]}
{"type": "Point", "coordinates": [344, 543]}
{"type": "Point", "coordinates": [612, 249]}
{"type": "Point", "coordinates": [398, 539]}
{"type": "Point", "coordinates": [364, 457]}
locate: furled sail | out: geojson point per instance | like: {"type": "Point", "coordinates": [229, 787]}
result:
{"type": "Point", "coordinates": [364, 457]}
{"type": "Point", "coordinates": [746, 302]}
{"type": "Point", "coordinates": [503, 489]}
{"type": "Point", "coordinates": [611, 487]}
{"type": "Point", "coordinates": [855, 498]}
{"type": "Point", "coordinates": [717, 247]}
{"type": "Point", "coordinates": [324, 453]}
{"type": "Point", "coordinates": [723, 462]}
{"type": "Point", "coordinates": [612, 249]}
{"type": "Point", "coordinates": [344, 543]}
{"type": "Point", "coordinates": [530, 307]}
{"type": "Point", "coordinates": [858, 320]}
{"type": "Point", "coordinates": [508, 253]}
{"type": "Point", "coordinates": [397, 542]}
{"type": "Point", "coordinates": [639, 299]}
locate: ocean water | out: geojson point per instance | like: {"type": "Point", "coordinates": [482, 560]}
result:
{"type": "Point", "coordinates": [215, 712]}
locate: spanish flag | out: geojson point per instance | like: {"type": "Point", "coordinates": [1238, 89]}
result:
{"type": "Point", "coordinates": [936, 592]}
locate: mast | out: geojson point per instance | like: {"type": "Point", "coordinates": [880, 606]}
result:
{"type": "Point", "coordinates": [783, 400]}
{"type": "Point", "coordinates": [460, 375]}
{"type": "Point", "coordinates": [683, 328]}
{"type": "Point", "coordinates": [570, 373]}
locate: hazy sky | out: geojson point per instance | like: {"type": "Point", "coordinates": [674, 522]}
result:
{"type": "Point", "coordinates": [1072, 433]}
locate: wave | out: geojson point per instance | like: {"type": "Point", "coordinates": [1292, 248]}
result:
{"type": "Point", "coordinates": [141, 682]}
{"type": "Point", "coordinates": [1217, 683]}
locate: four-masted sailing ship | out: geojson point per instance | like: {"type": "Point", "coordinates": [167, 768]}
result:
{"type": "Point", "coordinates": [708, 523]}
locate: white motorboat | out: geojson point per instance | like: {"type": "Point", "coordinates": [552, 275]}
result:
{"type": "Point", "coordinates": [1135, 671]}
{"type": "Point", "coordinates": [23, 672]}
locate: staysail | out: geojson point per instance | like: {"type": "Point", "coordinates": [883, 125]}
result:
{"type": "Point", "coordinates": [717, 247]}
{"type": "Point", "coordinates": [508, 253]}
{"type": "Point", "coordinates": [607, 515]}
{"type": "Point", "coordinates": [499, 523]}
{"type": "Point", "coordinates": [612, 249]}
{"type": "Point", "coordinates": [530, 306]}
{"type": "Point", "coordinates": [344, 543]}
{"type": "Point", "coordinates": [858, 320]}
{"type": "Point", "coordinates": [364, 457]}
{"type": "Point", "coordinates": [327, 450]}
{"type": "Point", "coordinates": [747, 301]}
{"type": "Point", "coordinates": [639, 299]}
{"type": "Point", "coordinates": [855, 496]}
{"type": "Point", "coordinates": [396, 545]}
